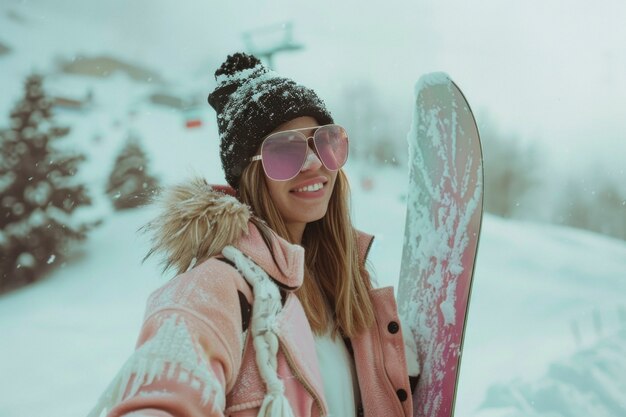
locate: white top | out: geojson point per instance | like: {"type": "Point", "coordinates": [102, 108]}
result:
{"type": "Point", "coordinates": [341, 388]}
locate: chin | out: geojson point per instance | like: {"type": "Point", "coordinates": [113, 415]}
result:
{"type": "Point", "coordinates": [310, 218]}
{"type": "Point", "coordinates": [316, 218]}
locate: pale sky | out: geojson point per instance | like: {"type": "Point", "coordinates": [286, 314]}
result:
{"type": "Point", "coordinates": [551, 71]}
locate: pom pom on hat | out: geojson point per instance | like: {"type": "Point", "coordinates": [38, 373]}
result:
{"type": "Point", "coordinates": [237, 62]}
{"type": "Point", "coordinates": [251, 101]}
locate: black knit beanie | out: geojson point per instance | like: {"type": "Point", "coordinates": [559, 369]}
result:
{"type": "Point", "coordinates": [251, 101]}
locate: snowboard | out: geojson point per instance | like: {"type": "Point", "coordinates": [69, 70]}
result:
{"type": "Point", "coordinates": [443, 221]}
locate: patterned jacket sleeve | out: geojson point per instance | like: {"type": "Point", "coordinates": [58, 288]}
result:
{"type": "Point", "coordinates": [189, 350]}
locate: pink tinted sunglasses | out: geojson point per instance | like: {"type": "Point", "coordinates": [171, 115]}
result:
{"type": "Point", "coordinates": [283, 154]}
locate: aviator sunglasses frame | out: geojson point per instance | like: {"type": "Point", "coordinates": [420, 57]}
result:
{"type": "Point", "coordinates": [306, 139]}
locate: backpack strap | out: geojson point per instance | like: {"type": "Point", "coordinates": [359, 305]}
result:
{"type": "Point", "coordinates": [244, 305]}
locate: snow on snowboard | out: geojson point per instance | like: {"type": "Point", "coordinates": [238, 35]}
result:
{"type": "Point", "coordinates": [444, 214]}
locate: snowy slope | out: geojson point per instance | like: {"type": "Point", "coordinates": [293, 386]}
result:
{"type": "Point", "coordinates": [120, 105]}
{"type": "Point", "coordinates": [588, 383]}
{"type": "Point", "coordinates": [64, 338]}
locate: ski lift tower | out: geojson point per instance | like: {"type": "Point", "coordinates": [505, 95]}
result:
{"type": "Point", "coordinates": [267, 41]}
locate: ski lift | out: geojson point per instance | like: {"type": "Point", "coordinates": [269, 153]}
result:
{"type": "Point", "coordinates": [193, 118]}
{"type": "Point", "coordinates": [267, 41]}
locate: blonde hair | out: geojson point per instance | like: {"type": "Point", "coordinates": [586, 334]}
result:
{"type": "Point", "coordinates": [336, 283]}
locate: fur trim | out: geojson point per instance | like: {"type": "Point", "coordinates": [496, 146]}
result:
{"type": "Point", "coordinates": [196, 222]}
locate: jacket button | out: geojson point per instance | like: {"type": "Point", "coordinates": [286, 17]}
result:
{"type": "Point", "coordinates": [393, 327]}
{"type": "Point", "coordinates": [402, 395]}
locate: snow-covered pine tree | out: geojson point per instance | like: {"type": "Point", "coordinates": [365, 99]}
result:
{"type": "Point", "coordinates": [130, 184]}
{"type": "Point", "coordinates": [38, 191]}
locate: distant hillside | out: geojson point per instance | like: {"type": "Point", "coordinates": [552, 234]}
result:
{"type": "Point", "coordinates": [4, 49]}
{"type": "Point", "coordinates": [104, 66]}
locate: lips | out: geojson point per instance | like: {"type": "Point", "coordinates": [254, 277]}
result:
{"type": "Point", "coordinates": [310, 188]}
{"type": "Point", "coordinates": [311, 185]}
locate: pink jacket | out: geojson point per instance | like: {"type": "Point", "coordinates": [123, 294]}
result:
{"type": "Point", "coordinates": [194, 359]}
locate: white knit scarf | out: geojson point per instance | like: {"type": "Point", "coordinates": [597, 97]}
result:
{"type": "Point", "coordinates": [264, 329]}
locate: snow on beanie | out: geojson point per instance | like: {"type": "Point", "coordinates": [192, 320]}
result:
{"type": "Point", "coordinates": [251, 101]}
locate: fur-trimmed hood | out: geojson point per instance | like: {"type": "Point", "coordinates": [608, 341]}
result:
{"type": "Point", "coordinates": [198, 220]}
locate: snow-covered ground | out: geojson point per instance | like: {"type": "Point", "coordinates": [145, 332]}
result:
{"type": "Point", "coordinates": [64, 338]}
{"type": "Point", "coordinates": [547, 319]}
{"type": "Point", "coordinates": [547, 325]}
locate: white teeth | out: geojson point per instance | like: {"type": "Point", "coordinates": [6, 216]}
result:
{"type": "Point", "coordinates": [310, 188]}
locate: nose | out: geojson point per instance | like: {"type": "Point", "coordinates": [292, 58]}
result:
{"type": "Point", "coordinates": [312, 161]}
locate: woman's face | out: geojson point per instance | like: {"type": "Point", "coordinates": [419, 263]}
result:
{"type": "Point", "coordinates": [305, 198]}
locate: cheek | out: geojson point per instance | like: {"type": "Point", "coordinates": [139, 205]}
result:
{"type": "Point", "coordinates": [272, 187]}
{"type": "Point", "coordinates": [334, 180]}
{"type": "Point", "coordinates": [276, 193]}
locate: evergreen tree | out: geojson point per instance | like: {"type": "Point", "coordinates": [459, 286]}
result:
{"type": "Point", "coordinates": [38, 191]}
{"type": "Point", "coordinates": [510, 172]}
{"type": "Point", "coordinates": [130, 185]}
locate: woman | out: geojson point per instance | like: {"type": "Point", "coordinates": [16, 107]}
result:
{"type": "Point", "coordinates": [272, 313]}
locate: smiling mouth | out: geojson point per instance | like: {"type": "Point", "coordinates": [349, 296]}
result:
{"type": "Point", "coordinates": [309, 188]}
